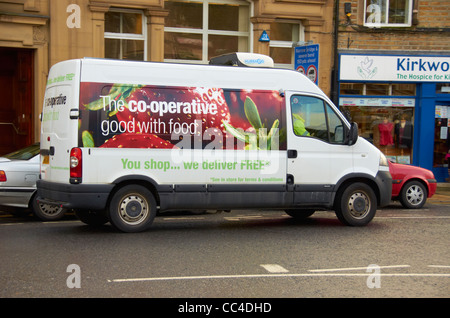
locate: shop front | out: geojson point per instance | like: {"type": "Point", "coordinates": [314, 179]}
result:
{"type": "Point", "coordinates": [401, 104]}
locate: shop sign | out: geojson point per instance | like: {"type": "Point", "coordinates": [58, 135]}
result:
{"type": "Point", "coordinates": [378, 102]}
{"type": "Point", "coordinates": [401, 68]}
{"type": "Point", "coordinates": [307, 61]}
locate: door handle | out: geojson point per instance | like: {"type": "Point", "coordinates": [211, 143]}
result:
{"type": "Point", "coordinates": [292, 153]}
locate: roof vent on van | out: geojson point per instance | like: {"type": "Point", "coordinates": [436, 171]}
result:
{"type": "Point", "coordinates": [243, 59]}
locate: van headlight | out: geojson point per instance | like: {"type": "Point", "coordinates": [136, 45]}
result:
{"type": "Point", "coordinates": [383, 161]}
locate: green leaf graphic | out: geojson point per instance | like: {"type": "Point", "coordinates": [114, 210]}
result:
{"type": "Point", "coordinates": [251, 111]}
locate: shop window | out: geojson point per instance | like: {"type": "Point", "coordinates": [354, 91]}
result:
{"type": "Point", "coordinates": [387, 13]}
{"type": "Point", "coordinates": [376, 89]}
{"type": "Point", "coordinates": [403, 89]}
{"type": "Point", "coordinates": [196, 31]}
{"type": "Point", "coordinates": [352, 89]}
{"type": "Point", "coordinates": [387, 120]}
{"type": "Point", "coordinates": [389, 128]}
{"type": "Point", "coordinates": [125, 36]}
{"type": "Point", "coordinates": [312, 117]}
{"type": "Point", "coordinates": [443, 88]}
{"type": "Point", "coordinates": [282, 39]}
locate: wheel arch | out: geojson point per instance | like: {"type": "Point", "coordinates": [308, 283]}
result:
{"type": "Point", "coordinates": [32, 198]}
{"type": "Point", "coordinates": [423, 182]}
{"type": "Point", "coordinates": [144, 181]}
{"type": "Point", "coordinates": [353, 178]}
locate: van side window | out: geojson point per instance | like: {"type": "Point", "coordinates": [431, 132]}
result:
{"type": "Point", "coordinates": [335, 126]}
{"type": "Point", "coordinates": [312, 117]}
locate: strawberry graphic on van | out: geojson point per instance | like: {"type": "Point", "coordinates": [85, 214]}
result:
{"type": "Point", "coordinates": [132, 140]}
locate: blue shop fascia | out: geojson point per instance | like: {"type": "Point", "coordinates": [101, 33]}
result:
{"type": "Point", "coordinates": [401, 103]}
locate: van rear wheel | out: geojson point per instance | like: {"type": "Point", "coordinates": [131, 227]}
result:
{"type": "Point", "coordinates": [356, 205]}
{"type": "Point", "coordinates": [132, 209]}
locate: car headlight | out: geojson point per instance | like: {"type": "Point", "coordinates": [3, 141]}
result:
{"type": "Point", "coordinates": [383, 160]}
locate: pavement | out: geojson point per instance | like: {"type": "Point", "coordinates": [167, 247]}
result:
{"type": "Point", "coordinates": [442, 195]}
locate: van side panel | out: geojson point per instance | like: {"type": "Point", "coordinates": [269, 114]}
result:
{"type": "Point", "coordinates": [182, 135]}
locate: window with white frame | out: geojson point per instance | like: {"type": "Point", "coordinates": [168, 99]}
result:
{"type": "Point", "coordinates": [196, 31]}
{"type": "Point", "coordinates": [388, 13]}
{"type": "Point", "coordinates": [283, 36]}
{"type": "Point", "coordinates": [125, 35]}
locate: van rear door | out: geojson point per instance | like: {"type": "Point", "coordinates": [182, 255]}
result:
{"type": "Point", "coordinates": [59, 125]}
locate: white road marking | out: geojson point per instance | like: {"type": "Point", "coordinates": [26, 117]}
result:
{"type": "Point", "coordinates": [354, 268]}
{"type": "Point", "coordinates": [277, 271]}
{"type": "Point", "coordinates": [11, 223]}
{"type": "Point", "coordinates": [183, 218]}
{"type": "Point", "coordinates": [412, 217]}
{"type": "Point", "coordinates": [274, 268]}
{"type": "Point", "coordinates": [439, 266]}
{"type": "Point", "coordinates": [146, 279]}
{"type": "Point", "coordinates": [242, 217]}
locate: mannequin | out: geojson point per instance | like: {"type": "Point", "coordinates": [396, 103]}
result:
{"type": "Point", "coordinates": [385, 129]}
{"type": "Point", "coordinates": [403, 133]}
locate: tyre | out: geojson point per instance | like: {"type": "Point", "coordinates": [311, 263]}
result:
{"type": "Point", "coordinates": [93, 218]}
{"type": "Point", "coordinates": [356, 205]}
{"type": "Point", "coordinates": [300, 214]}
{"type": "Point", "coordinates": [132, 209]}
{"type": "Point", "coordinates": [47, 212]}
{"type": "Point", "coordinates": [413, 195]}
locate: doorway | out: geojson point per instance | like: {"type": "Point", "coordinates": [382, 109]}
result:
{"type": "Point", "coordinates": [16, 102]}
{"type": "Point", "coordinates": [441, 141]}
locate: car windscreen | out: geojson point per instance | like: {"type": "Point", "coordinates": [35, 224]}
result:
{"type": "Point", "coordinates": [24, 153]}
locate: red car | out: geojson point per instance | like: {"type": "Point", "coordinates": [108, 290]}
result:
{"type": "Point", "coordinates": [411, 185]}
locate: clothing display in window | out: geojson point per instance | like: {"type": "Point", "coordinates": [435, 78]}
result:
{"type": "Point", "coordinates": [404, 134]}
{"type": "Point", "coordinates": [385, 129]}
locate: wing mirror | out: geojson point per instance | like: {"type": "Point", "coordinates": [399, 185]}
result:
{"type": "Point", "coordinates": [353, 133]}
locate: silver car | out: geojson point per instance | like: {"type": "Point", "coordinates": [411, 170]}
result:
{"type": "Point", "coordinates": [19, 172]}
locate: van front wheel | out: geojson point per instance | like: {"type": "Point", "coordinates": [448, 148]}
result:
{"type": "Point", "coordinates": [356, 205]}
{"type": "Point", "coordinates": [132, 209]}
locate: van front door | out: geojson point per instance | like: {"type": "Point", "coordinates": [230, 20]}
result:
{"type": "Point", "coordinates": [317, 154]}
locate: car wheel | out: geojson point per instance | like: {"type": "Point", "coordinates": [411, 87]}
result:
{"type": "Point", "coordinates": [300, 214]}
{"type": "Point", "coordinates": [413, 195]}
{"type": "Point", "coordinates": [47, 212]}
{"type": "Point", "coordinates": [356, 205]}
{"type": "Point", "coordinates": [132, 209]}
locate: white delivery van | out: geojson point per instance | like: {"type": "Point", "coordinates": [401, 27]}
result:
{"type": "Point", "coordinates": [121, 140]}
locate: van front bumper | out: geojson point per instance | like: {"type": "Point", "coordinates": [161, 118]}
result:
{"type": "Point", "coordinates": [74, 196]}
{"type": "Point", "coordinates": [384, 182]}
